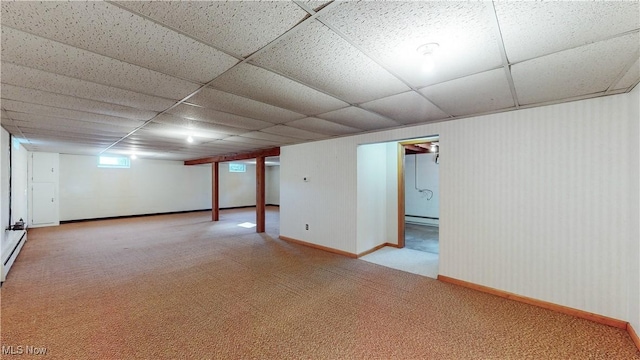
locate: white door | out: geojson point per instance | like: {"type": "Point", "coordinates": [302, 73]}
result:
{"type": "Point", "coordinates": [45, 167]}
{"type": "Point", "coordinates": [44, 204]}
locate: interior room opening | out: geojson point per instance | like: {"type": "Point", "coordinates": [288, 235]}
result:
{"type": "Point", "coordinates": [422, 196]}
{"type": "Point", "coordinates": [398, 204]}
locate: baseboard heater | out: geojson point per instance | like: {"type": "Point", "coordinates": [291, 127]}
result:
{"type": "Point", "coordinates": [15, 241]}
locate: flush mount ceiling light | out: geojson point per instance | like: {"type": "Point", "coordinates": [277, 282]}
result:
{"type": "Point", "coordinates": [428, 51]}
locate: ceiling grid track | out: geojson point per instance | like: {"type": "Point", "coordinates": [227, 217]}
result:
{"type": "Point", "coordinates": [624, 71]}
{"type": "Point", "coordinates": [92, 82]}
{"type": "Point", "coordinates": [106, 56]}
{"type": "Point", "coordinates": [14, 124]}
{"type": "Point", "coordinates": [503, 53]}
{"type": "Point", "coordinates": [380, 63]}
{"type": "Point", "coordinates": [244, 60]}
{"type": "Point", "coordinates": [607, 38]}
{"type": "Point", "coordinates": [303, 59]}
{"type": "Point", "coordinates": [237, 56]}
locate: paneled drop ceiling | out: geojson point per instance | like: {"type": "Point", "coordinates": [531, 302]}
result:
{"type": "Point", "coordinates": [140, 77]}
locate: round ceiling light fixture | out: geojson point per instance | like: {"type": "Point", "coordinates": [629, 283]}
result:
{"type": "Point", "coordinates": [428, 51]}
{"type": "Point", "coordinates": [190, 139]}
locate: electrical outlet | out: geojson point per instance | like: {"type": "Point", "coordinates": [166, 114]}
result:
{"type": "Point", "coordinates": [306, 226]}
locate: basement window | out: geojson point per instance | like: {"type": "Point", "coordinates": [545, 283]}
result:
{"type": "Point", "coordinates": [120, 162]}
{"type": "Point", "coordinates": [235, 167]}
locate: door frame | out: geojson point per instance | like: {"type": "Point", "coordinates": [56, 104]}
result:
{"type": "Point", "coordinates": [401, 190]}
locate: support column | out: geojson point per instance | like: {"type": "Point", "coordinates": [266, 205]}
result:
{"type": "Point", "coordinates": [215, 204]}
{"type": "Point", "coordinates": [260, 194]}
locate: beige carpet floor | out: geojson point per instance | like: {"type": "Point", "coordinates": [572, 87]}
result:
{"type": "Point", "coordinates": [180, 286]}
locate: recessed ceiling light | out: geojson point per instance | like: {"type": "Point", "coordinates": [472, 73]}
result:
{"type": "Point", "coordinates": [133, 156]}
{"type": "Point", "coordinates": [189, 139]}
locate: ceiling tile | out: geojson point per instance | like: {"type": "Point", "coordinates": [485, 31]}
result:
{"type": "Point", "coordinates": [154, 145]}
{"type": "Point", "coordinates": [218, 117]}
{"type": "Point", "coordinates": [181, 155]}
{"type": "Point", "coordinates": [11, 92]}
{"type": "Point", "coordinates": [535, 28]}
{"type": "Point", "coordinates": [8, 125]}
{"type": "Point", "coordinates": [46, 81]}
{"type": "Point", "coordinates": [196, 125]}
{"type": "Point", "coordinates": [265, 86]}
{"type": "Point", "coordinates": [271, 137]}
{"type": "Point", "coordinates": [93, 132]}
{"type": "Point", "coordinates": [111, 31]}
{"type": "Point", "coordinates": [250, 142]}
{"type": "Point", "coordinates": [234, 147]}
{"type": "Point", "coordinates": [322, 126]}
{"type": "Point", "coordinates": [406, 108]}
{"type": "Point", "coordinates": [46, 144]}
{"type": "Point", "coordinates": [359, 118]}
{"type": "Point", "coordinates": [178, 133]}
{"type": "Point", "coordinates": [22, 107]}
{"type": "Point", "coordinates": [392, 31]}
{"type": "Point", "coordinates": [239, 27]}
{"type": "Point", "coordinates": [169, 119]}
{"type": "Point", "coordinates": [319, 57]}
{"type": "Point", "coordinates": [220, 100]}
{"type": "Point", "coordinates": [315, 5]}
{"type": "Point", "coordinates": [479, 93]}
{"type": "Point", "coordinates": [631, 77]}
{"type": "Point", "coordinates": [294, 133]}
{"type": "Point", "coordinates": [61, 134]}
{"type": "Point", "coordinates": [36, 119]}
{"type": "Point", "coordinates": [583, 70]}
{"type": "Point", "coordinates": [31, 51]}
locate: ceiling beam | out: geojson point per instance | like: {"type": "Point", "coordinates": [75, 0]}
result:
{"type": "Point", "coordinates": [234, 157]}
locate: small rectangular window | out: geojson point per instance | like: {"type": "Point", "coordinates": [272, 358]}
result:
{"type": "Point", "coordinates": [234, 167]}
{"type": "Point", "coordinates": [121, 162]}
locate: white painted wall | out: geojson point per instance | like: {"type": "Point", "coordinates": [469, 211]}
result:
{"type": "Point", "coordinates": [371, 197]}
{"type": "Point", "coordinates": [392, 193]}
{"type": "Point", "coordinates": [152, 186]}
{"type": "Point", "coordinates": [237, 189]}
{"type": "Point", "coordinates": [327, 202]}
{"type": "Point", "coordinates": [19, 181]}
{"type": "Point", "coordinates": [272, 175]}
{"type": "Point", "coordinates": [634, 252]}
{"type": "Point", "coordinates": [543, 211]}
{"type": "Point", "coordinates": [149, 186]}
{"type": "Point", "coordinates": [4, 184]}
{"type": "Point", "coordinates": [428, 177]}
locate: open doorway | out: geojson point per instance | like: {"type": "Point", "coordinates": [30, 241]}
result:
{"type": "Point", "coordinates": [382, 207]}
{"type": "Point", "coordinates": [420, 213]}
